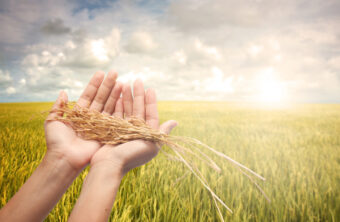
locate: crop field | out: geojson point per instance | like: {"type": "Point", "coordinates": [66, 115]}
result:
{"type": "Point", "coordinates": [296, 148]}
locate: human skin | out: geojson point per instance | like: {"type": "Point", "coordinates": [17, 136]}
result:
{"type": "Point", "coordinates": [67, 154]}
{"type": "Point", "coordinates": [110, 164]}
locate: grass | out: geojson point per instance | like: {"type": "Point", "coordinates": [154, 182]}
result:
{"type": "Point", "coordinates": [297, 149]}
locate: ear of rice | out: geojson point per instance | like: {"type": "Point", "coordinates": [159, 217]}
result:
{"type": "Point", "coordinates": [93, 125]}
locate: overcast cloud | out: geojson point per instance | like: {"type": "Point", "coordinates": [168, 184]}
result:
{"type": "Point", "coordinates": [250, 50]}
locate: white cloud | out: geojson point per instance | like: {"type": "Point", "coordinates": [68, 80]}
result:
{"type": "Point", "coordinates": [254, 50]}
{"type": "Point", "coordinates": [5, 82]}
{"type": "Point", "coordinates": [207, 51]}
{"type": "Point", "coordinates": [22, 81]}
{"type": "Point", "coordinates": [277, 58]}
{"type": "Point", "coordinates": [5, 77]}
{"type": "Point", "coordinates": [145, 74]}
{"type": "Point", "coordinates": [218, 82]}
{"type": "Point", "coordinates": [69, 83]}
{"type": "Point", "coordinates": [274, 44]}
{"type": "Point", "coordinates": [92, 52]}
{"type": "Point", "coordinates": [11, 90]}
{"type": "Point", "coordinates": [335, 62]}
{"type": "Point", "coordinates": [54, 67]}
{"type": "Point", "coordinates": [195, 52]}
{"type": "Point", "coordinates": [313, 34]}
{"type": "Point", "coordinates": [180, 56]}
{"type": "Point", "coordinates": [190, 15]}
{"type": "Point", "coordinates": [141, 42]}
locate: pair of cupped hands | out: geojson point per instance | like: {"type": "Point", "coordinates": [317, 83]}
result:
{"type": "Point", "coordinates": [106, 95]}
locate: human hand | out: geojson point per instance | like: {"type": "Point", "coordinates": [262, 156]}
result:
{"type": "Point", "coordinates": [66, 154]}
{"type": "Point", "coordinates": [62, 141]}
{"type": "Point", "coordinates": [122, 158]}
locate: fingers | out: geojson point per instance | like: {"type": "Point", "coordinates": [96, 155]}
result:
{"type": "Point", "coordinates": [119, 111]}
{"type": "Point", "coordinates": [102, 95]}
{"type": "Point", "coordinates": [138, 99]}
{"type": "Point", "coordinates": [113, 98]}
{"type": "Point", "coordinates": [168, 126]}
{"type": "Point", "coordinates": [60, 102]}
{"type": "Point", "coordinates": [127, 101]}
{"type": "Point", "coordinates": [90, 91]}
{"type": "Point", "coordinates": [151, 112]}
{"type": "Point", "coordinates": [104, 91]}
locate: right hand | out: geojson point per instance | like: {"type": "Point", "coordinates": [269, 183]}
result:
{"type": "Point", "coordinates": [122, 158]}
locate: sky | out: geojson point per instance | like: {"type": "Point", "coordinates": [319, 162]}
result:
{"type": "Point", "coordinates": [265, 51]}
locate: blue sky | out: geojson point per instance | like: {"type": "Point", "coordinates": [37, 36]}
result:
{"type": "Point", "coordinates": [243, 51]}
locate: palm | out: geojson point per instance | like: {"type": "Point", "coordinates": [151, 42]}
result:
{"type": "Point", "coordinates": [100, 95]}
{"type": "Point", "coordinates": [135, 153]}
{"type": "Point", "coordinates": [138, 152]}
{"type": "Point", "coordinates": [104, 96]}
{"type": "Point", "coordinates": [62, 139]}
{"type": "Point", "coordinates": [129, 155]}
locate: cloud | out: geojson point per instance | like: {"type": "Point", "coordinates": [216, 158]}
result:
{"type": "Point", "coordinates": [22, 81]}
{"type": "Point", "coordinates": [5, 76]}
{"type": "Point", "coordinates": [181, 56]}
{"type": "Point", "coordinates": [203, 15]}
{"type": "Point", "coordinates": [218, 82]}
{"type": "Point", "coordinates": [334, 62]}
{"type": "Point", "coordinates": [50, 67]}
{"type": "Point", "coordinates": [145, 74]}
{"type": "Point", "coordinates": [55, 27]}
{"type": "Point", "coordinates": [190, 49]}
{"type": "Point", "coordinates": [141, 42]}
{"type": "Point", "coordinates": [5, 83]}
{"type": "Point", "coordinates": [207, 52]}
{"type": "Point", "coordinates": [10, 90]}
{"type": "Point", "coordinates": [11, 30]}
{"type": "Point", "coordinates": [19, 19]}
{"type": "Point", "coordinates": [92, 52]}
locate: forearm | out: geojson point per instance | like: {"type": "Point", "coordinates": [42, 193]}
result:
{"type": "Point", "coordinates": [97, 196]}
{"type": "Point", "coordinates": [41, 191]}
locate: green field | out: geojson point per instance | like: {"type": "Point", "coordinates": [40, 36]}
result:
{"type": "Point", "coordinates": [297, 149]}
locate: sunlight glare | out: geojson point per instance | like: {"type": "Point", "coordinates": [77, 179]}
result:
{"type": "Point", "coordinates": [98, 50]}
{"type": "Point", "coordinates": [271, 90]}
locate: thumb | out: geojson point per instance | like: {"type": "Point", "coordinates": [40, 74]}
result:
{"type": "Point", "coordinates": [168, 126]}
{"type": "Point", "coordinates": [61, 101]}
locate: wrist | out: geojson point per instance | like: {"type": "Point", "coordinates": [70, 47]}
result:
{"type": "Point", "coordinates": [98, 193]}
{"type": "Point", "coordinates": [58, 160]}
{"type": "Point", "coordinates": [108, 169]}
{"type": "Point", "coordinates": [41, 191]}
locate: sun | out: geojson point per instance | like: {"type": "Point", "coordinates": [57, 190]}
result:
{"type": "Point", "coordinates": [271, 92]}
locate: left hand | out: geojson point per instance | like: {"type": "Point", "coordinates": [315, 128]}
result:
{"type": "Point", "coordinates": [62, 141]}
